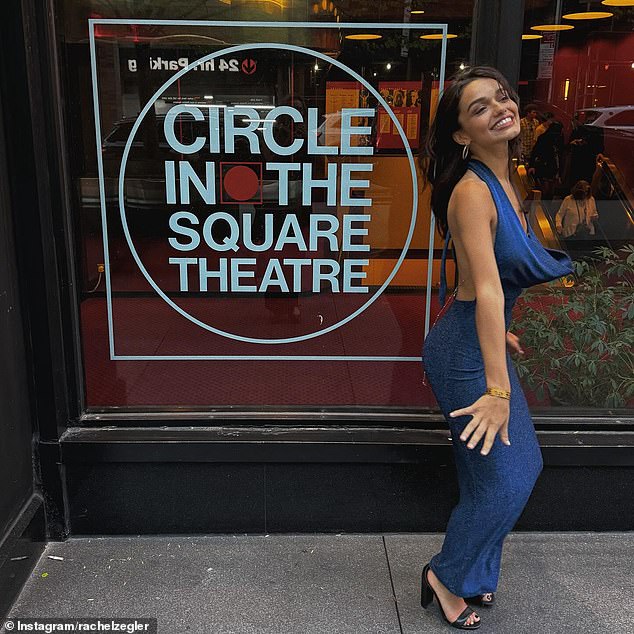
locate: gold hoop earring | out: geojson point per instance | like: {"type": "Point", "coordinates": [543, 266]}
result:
{"type": "Point", "coordinates": [465, 151]}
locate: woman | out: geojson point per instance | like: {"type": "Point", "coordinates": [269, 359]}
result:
{"type": "Point", "coordinates": [577, 213]}
{"type": "Point", "coordinates": [471, 142]}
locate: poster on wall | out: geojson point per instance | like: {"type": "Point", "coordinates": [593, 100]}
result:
{"type": "Point", "coordinates": [404, 97]}
{"type": "Point", "coordinates": [341, 95]}
{"type": "Point", "coordinates": [546, 55]}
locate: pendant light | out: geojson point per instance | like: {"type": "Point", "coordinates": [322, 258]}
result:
{"type": "Point", "coordinates": [437, 36]}
{"type": "Point", "coordinates": [556, 25]}
{"type": "Point", "coordinates": [552, 27]}
{"type": "Point", "coordinates": [588, 15]}
{"type": "Point", "coordinates": [363, 36]}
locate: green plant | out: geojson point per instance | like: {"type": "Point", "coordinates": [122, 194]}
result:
{"type": "Point", "coordinates": [578, 339]}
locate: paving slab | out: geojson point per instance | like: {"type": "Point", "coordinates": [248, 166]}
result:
{"type": "Point", "coordinates": [328, 584]}
{"type": "Point", "coordinates": [295, 584]}
{"type": "Point", "coordinates": [549, 583]}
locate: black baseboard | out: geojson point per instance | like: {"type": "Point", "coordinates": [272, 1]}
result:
{"type": "Point", "coordinates": [126, 481]}
{"type": "Point", "coordinates": [202, 498]}
{"type": "Point", "coordinates": [20, 549]}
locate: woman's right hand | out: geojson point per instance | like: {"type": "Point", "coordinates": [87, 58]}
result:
{"type": "Point", "coordinates": [490, 417]}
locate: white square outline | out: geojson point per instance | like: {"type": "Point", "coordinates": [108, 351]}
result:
{"type": "Point", "coordinates": [92, 22]}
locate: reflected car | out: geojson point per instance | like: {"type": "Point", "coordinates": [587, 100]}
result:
{"type": "Point", "coordinates": [613, 117]}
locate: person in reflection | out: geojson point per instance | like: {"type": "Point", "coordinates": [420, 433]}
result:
{"type": "Point", "coordinates": [545, 161]}
{"type": "Point", "coordinates": [468, 162]}
{"type": "Point", "coordinates": [586, 146]}
{"type": "Point", "coordinates": [577, 213]}
{"type": "Point", "coordinates": [528, 124]}
{"type": "Point", "coordinates": [547, 119]}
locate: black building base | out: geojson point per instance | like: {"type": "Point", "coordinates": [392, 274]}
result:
{"type": "Point", "coordinates": [261, 481]}
{"type": "Point", "coordinates": [189, 498]}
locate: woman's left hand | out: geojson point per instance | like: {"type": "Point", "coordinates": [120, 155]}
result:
{"type": "Point", "coordinates": [513, 342]}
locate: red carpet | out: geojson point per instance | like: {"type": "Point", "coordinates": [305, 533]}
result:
{"type": "Point", "coordinates": [392, 326]}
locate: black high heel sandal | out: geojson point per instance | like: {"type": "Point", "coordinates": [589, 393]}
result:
{"type": "Point", "coordinates": [427, 595]}
{"type": "Point", "coordinates": [480, 600]}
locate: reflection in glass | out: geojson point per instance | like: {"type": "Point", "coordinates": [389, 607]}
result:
{"type": "Point", "coordinates": [578, 89]}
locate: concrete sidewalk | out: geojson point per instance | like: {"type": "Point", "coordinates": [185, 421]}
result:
{"type": "Point", "coordinates": [328, 584]}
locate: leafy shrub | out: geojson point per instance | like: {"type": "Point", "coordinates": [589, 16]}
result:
{"type": "Point", "coordinates": [578, 338]}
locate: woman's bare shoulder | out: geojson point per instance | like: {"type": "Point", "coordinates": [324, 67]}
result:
{"type": "Point", "coordinates": [468, 187]}
{"type": "Point", "coordinates": [472, 182]}
{"type": "Point", "coordinates": [471, 197]}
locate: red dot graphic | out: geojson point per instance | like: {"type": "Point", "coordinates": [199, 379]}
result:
{"type": "Point", "coordinates": [241, 183]}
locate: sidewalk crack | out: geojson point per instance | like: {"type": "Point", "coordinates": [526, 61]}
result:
{"type": "Point", "coordinates": [389, 569]}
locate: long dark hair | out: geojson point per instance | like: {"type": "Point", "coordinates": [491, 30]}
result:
{"type": "Point", "coordinates": [441, 157]}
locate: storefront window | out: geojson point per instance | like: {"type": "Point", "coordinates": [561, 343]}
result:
{"type": "Point", "coordinates": [250, 226]}
{"type": "Point", "coordinates": [577, 89]}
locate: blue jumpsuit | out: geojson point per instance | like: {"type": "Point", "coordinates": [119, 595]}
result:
{"type": "Point", "coordinates": [494, 488]}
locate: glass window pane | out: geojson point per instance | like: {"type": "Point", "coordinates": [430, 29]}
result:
{"type": "Point", "coordinates": [579, 84]}
{"type": "Point", "coordinates": [251, 229]}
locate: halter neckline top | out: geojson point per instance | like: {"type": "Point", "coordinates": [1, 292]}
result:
{"type": "Point", "coordinates": [521, 258]}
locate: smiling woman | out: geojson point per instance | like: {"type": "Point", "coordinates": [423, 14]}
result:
{"type": "Point", "coordinates": [469, 368]}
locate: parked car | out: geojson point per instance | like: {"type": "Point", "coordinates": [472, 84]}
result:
{"type": "Point", "coordinates": [612, 117]}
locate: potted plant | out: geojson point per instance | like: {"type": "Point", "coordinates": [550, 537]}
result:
{"type": "Point", "coordinates": [578, 335]}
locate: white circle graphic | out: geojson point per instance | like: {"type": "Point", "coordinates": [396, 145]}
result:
{"type": "Point", "coordinates": [282, 47]}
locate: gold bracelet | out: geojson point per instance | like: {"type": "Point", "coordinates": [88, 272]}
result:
{"type": "Point", "coordinates": [496, 391]}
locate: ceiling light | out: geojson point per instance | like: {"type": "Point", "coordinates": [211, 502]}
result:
{"type": "Point", "coordinates": [416, 12]}
{"type": "Point", "coordinates": [531, 36]}
{"type": "Point", "coordinates": [618, 3]}
{"type": "Point", "coordinates": [437, 36]}
{"type": "Point", "coordinates": [588, 15]}
{"type": "Point", "coordinates": [363, 36]}
{"type": "Point", "coordinates": [552, 27]}
{"type": "Point", "coordinates": [389, 66]}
